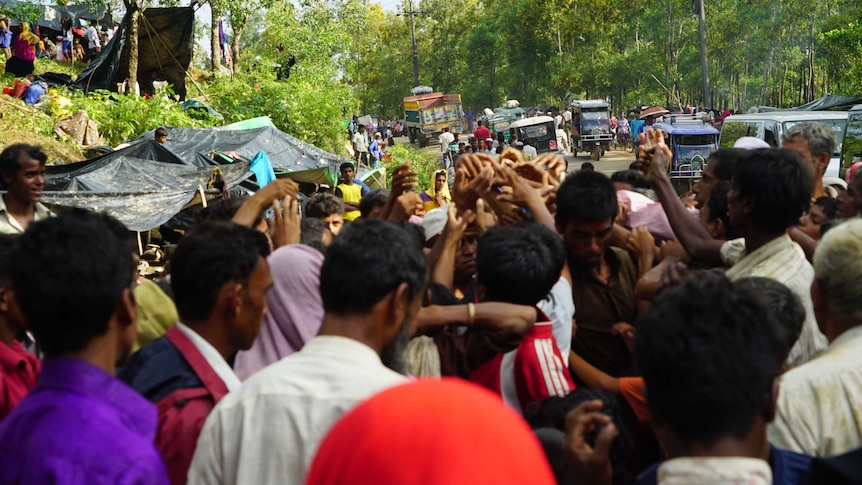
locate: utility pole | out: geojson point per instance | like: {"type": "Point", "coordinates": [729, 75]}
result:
{"type": "Point", "coordinates": [412, 13]}
{"type": "Point", "coordinates": [704, 66]}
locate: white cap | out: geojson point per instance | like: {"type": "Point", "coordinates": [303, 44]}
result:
{"type": "Point", "coordinates": [435, 221]}
{"type": "Point", "coordinates": [750, 143]}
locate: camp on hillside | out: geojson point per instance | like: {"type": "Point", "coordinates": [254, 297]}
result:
{"type": "Point", "coordinates": [146, 184]}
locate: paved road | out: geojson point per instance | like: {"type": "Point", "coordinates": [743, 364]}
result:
{"type": "Point", "coordinates": [613, 161]}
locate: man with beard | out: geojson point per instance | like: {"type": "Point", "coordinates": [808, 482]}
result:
{"type": "Point", "coordinates": [79, 423]}
{"type": "Point", "coordinates": [22, 169]}
{"type": "Point", "coordinates": [603, 277]}
{"type": "Point", "coordinates": [268, 430]}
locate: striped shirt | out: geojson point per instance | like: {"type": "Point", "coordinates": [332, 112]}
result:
{"type": "Point", "coordinates": [782, 260]}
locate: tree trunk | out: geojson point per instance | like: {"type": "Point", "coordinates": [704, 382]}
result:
{"type": "Point", "coordinates": [215, 45]}
{"type": "Point", "coordinates": [134, 9]}
{"type": "Point", "coordinates": [809, 91]}
{"type": "Point", "coordinates": [766, 65]}
{"type": "Point", "coordinates": [238, 29]}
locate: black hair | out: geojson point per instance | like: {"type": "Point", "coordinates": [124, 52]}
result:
{"type": "Point", "coordinates": [210, 255]}
{"type": "Point", "coordinates": [323, 205]}
{"type": "Point", "coordinates": [632, 166]}
{"type": "Point", "coordinates": [586, 196]}
{"type": "Point", "coordinates": [708, 353]}
{"type": "Point", "coordinates": [588, 166]}
{"type": "Point", "coordinates": [376, 197]}
{"type": "Point", "coordinates": [717, 203]}
{"type": "Point", "coordinates": [69, 274]}
{"type": "Point", "coordinates": [519, 263]}
{"type": "Point", "coordinates": [551, 413]}
{"type": "Point", "coordinates": [10, 157]}
{"type": "Point", "coordinates": [632, 177]}
{"type": "Point", "coordinates": [827, 226]}
{"type": "Point", "coordinates": [160, 131]}
{"type": "Point", "coordinates": [784, 304]}
{"type": "Point", "coordinates": [307, 187]}
{"type": "Point", "coordinates": [223, 210]}
{"type": "Point", "coordinates": [778, 184]}
{"type": "Point", "coordinates": [364, 248]}
{"type": "Point", "coordinates": [829, 205]}
{"type": "Point", "coordinates": [724, 161]}
{"type": "Point", "coordinates": [311, 232]}
{"type": "Point", "coordinates": [345, 165]}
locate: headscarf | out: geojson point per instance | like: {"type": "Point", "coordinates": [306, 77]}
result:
{"type": "Point", "coordinates": [295, 308]}
{"type": "Point", "coordinates": [430, 204]}
{"type": "Point", "coordinates": [446, 432]}
{"type": "Point", "coordinates": [28, 36]}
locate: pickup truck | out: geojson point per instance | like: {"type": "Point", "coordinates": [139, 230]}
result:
{"type": "Point", "coordinates": [427, 114]}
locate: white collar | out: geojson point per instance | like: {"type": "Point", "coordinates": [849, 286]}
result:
{"type": "Point", "coordinates": [213, 357]}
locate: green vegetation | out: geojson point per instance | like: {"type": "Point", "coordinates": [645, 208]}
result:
{"type": "Point", "coordinates": [424, 162]}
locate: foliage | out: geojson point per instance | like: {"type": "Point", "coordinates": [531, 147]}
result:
{"type": "Point", "coordinates": [424, 162]}
{"type": "Point", "coordinates": [123, 117]}
{"type": "Point", "coordinates": [21, 11]}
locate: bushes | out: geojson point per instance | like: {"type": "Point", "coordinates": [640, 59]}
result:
{"type": "Point", "coordinates": [424, 162]}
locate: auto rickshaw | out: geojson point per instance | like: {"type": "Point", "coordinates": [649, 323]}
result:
{"type": "Point", "coordinates": [538, 132]}
{"type": "Point", "coordinates": [591, 127]}
{"type": "Point", "coordinates": [691, 141]}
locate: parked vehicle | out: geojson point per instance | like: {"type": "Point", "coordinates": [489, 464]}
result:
{"type": "Point", "coordinates": [538, 132]}
{"type": "Point", "coordinates": [427, 113]}
{"type": "Point", "coordinates": [502, 119]}
{"type": "Point", "coordinates": [592, 120]}
{"type": "Point", "coordinates": [692, 141]}
{"type": "Point", "coordinates": [851, 146]}
{"type": "Point", "coordinates": [771, 126]}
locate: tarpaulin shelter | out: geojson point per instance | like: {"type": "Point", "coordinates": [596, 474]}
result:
{"type": "Point", "coordinates": [146, 184]}
{"type": "Point", "coordinates": [290, 156]}
{"type": "Point", "coordinates": [143, 185]}
{"type": "Point", "coordinates": [827, 102]}
{"type": "Point", "coordinates": [52, 15]}
{"type": "Point", "coordinates": [165, 47]}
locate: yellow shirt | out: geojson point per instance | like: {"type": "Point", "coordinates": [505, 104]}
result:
{"type": "Point", "coordinates": [10, 225]}
{"type": "Point", "coordinates": [351, 193]}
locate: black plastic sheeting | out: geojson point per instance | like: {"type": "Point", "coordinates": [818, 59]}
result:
{"type": "Point", "coordinates": [302, 161]}
{"type": "Point", "coordinates": [165, 47]}
{"type": "Point", "coordinates": [826, 103]}
{"type": "Point", "coordinates": [143, 185]}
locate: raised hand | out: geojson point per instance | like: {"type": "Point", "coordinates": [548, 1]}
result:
{"type": "Point", "coordinates": [285, 223]}
{"type": "Point", "coordinates": [590, 463]}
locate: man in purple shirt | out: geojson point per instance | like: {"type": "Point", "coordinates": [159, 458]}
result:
{"type": "Point", "coordinates": [72, 278]}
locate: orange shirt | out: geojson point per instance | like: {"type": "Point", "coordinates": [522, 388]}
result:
{"type": "Point", "coordinates": [633, 389]}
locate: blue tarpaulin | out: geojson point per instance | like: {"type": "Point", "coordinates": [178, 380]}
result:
{"type": "Point", "coordinates": [262, 169]}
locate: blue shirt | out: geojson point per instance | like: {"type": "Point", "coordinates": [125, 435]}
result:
{"type": "Point", "coordinates": [80, 426]}
{"type": "Point", "coordinates": [636, 126]}
{"type": "Point", "coordinates": [788, 468]}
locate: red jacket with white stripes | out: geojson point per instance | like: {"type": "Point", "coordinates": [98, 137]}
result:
{"type": "Point", "coordinates": [531, 373]}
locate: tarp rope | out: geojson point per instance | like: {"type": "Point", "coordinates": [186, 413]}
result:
{"type": "Point", "coordinates": [153, 33]}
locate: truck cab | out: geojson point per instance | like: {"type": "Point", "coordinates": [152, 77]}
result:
{"type": "Point", "coordinates": [426, 113]}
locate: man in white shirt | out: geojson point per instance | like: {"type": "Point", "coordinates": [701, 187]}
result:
{"type": "Point", "coordinates": [220, 276]}
{"type": "Point", "coordinates": [819, 410]}
{"type": "Point", "coordinates": [94, 44]}
{"type": "Point", "coordinates": [360, 146]}
{"type": "Point", "coordinates": [268, 430]}
{"type": "Point", "coordinates": [446, 139]}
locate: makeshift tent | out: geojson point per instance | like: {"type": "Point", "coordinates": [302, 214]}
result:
{"type": "Point", "coordinates": [143, 185]}
{"type": "Point", "coordinates": [827, 102]}
{"type": "Point", "coordinates": [52, 15]}
{"type": "Point", "coordinates": [165, 46]}
{"type": "Point", "coordinates": [289, 156]}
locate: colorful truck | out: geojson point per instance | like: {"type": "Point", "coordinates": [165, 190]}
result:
{"type": "Point", "coordinates": [426, 115]}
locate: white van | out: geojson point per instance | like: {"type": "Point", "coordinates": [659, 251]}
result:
{"type": "Point", "coordinates": [770, 127]}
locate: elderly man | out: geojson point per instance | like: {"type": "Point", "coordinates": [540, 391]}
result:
{"type": "Point", "coordinates": [815, 143]}
{"type": "Point", "coordinates": [818, 406]}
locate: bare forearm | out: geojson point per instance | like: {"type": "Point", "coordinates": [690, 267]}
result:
{"type": "Point", "coordinates": [490, 315]}
{"type": "Point", "coordinates": [591, 376]}
{"type": "Point", "coordinates": [808, 244]}
{"type": "Point", "coordinates": [692, 235]}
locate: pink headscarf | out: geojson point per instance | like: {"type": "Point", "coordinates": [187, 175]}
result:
{"type": "Point", "coordinates": [295, 309]}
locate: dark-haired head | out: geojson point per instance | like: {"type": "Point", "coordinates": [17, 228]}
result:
{"type": "Point", "coordinates": [770, 192]}
{"type": "Point", "coordinates": [629, 180]}
{"type": "Point", "coordinates": [386, 303]}
{"type": "Point", "coordinates": [714, 216]}
{"type": "Point", "coordinates": [519, 263]}
{"type": "Point", "coordinates": [784, 304]}
{"type": "Point", "coordinates": [586, 208]}
{"type": "Point", "coordinates": [709, 354]}
{"type": "Point", "coordinates": [327, 207]}
{"type": "Point", "coordinates": [22, 171]}
{"type": "Point", "coordinates": [219, 270]}
{"type": "Point", "coordinates": [72, 278]}
{"type": "Point", "coordinates": [372, 203]}
{"type": "Point", "coordinates": [720, 166]}
{"type": "Point", "coordinates": [315, 233]}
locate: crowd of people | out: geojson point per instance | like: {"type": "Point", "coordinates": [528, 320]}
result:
{"type": "Point", "coordinates": [517, 325]}
{"type": "Point", "coordinates": [75, 44]}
